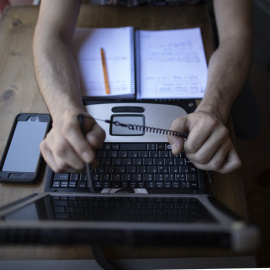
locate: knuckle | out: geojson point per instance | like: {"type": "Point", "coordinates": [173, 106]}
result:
{"type": "Point", "coordinates": [213, 122]}
{"type": "Point", "coordinates": [57, 170]}
{"type": "Point", "coordinates": [190, 148]}
{"type": "Point", "coordinates": [79, 165]}
{"type": "Point", "coordinates": [60, 149]}
{"type": "Point", "coordinates": [174, 123]}
{"type": "Point", "coordinates": [200, 158]}
{"type": "Point", "coordinates": [103, 134]}
{"type": "Point", "coordinates": [216, 165]}
{"type": "Point", "coordinates": [203, 158]}
{"type": "Point", "coordinates": [61, 165]}
{"type": "Point", "coordinates": [42, 146]}
{"type": "Point", "coordinates": [96, 138]}
{"type": "Point", "coordinates": [224, 131]}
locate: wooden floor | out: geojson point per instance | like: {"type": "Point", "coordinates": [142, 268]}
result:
{"type": "Point", "coordinates": [255, 155]}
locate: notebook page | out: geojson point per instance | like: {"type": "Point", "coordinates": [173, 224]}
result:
{"type": "Point", "coordinates": [116, 43]}
{"type": "Point", "coordinates": [173, 64]}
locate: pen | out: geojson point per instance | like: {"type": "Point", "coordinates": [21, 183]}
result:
{"type": "Point", "coordinates": [105, 72]}
{"type": "Point", "coordinates": [87, 165]}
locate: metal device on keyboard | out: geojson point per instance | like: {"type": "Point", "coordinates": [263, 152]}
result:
{"type": "Point", "coordinates": [146, 128]}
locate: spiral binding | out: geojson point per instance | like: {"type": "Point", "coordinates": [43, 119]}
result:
{"type": "Point", "coordinates": [148, 129]}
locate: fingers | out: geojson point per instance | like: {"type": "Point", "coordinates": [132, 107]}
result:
{"type": "Point", "coordinates": [224, 160]}
{"type": "Point", "coordinates": [208, 146]}
{"type": "Point", "coordinates": [76, 141]}
{"type": "Point", "coordinates": [177, 143]}
{"type": "Point", "coordinates": [66, 149]}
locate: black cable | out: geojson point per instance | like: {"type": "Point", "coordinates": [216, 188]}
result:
{"type": "Point", "coordinates": [87, 165]}
{"type": "Point", "coordinates": [100, 258]}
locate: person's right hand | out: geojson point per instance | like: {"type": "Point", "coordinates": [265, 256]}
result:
{"type": "Point", "coordinates": [65, 148]}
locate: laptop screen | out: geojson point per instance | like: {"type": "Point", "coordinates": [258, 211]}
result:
{"type": "Point", "coordinates": [114, 208]}
{"type": "Point", "coordinates": [185, 220]}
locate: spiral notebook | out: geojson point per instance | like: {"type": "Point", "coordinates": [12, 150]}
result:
{"type": "Point", "coordinates": [141, 64]}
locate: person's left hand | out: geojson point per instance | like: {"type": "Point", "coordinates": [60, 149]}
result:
{"type": "Point", "coordinates": [209, 146]}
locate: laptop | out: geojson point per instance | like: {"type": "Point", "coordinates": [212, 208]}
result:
{"type": "Point", "coordinates": [143, 195]}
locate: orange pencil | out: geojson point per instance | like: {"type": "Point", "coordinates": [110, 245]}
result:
{"type": "Point", "coordinates": [105, 72]}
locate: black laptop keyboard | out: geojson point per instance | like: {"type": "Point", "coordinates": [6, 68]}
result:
{"type": "Point", "coordinates": [154, 209]}
{"type": "Point", "coordinates": [137, 165]}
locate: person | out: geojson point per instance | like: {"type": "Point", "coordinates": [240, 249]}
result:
{"type": "Point", "coordinates": [208, 146]}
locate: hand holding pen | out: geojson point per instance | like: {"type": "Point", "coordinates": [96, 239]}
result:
{"type": "Point", "coordinates": [87, 164]}
{"type": "Point", "coordinates": [65, 148]}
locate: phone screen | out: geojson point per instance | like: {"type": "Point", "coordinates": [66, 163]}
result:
{"type": "Point", "coordinates": [23, 153]}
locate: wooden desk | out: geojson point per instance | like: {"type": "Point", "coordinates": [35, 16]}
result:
{"type": "Point", "coordinates": [19, 93]}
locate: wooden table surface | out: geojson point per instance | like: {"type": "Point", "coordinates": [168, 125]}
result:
{"type": "Point", "coordinates": [19, 93]}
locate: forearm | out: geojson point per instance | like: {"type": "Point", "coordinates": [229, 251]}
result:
{"type": "Point", "coordinates": [227, 74]}
{"type": "Point", "coordinates": [56, 74]}
{"type": "Point", "coordinates": [230, 63]}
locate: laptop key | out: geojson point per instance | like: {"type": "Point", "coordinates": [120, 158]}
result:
{"type": "Point", "coordinates": [64, 184]}
{"type": "Point", "coordinates": [148, 177]}
{"type": "Point", "coordinates": [61, 176]}
{"type": "Point", "coordinates": [56, 184]}
{"type": "Point", "coordinates": [151, 185]}
{"type": "Point", "coordinates": [161, 146]}
{"type": "Point", "coordinates": [123, 154]}
{"type": "Point", "coordinates": [83, 177]}
{"type": "Point", "coordinates": [126, 177]}
{"type": "Point", "coordinates": [159, 184]}
{"type": "Point", "coordinates": [133, 154]}
{"type": "Point", "coordinates": [136, 177]}
{"type": "Point", "coordinates": [116, 177]}
{"type": "Point", "coordinates": [185, 185]}
{"type": "Point", "coordinates": [106, 184]}
{"type": "Point", "coordinates": [163, 154]}
{"type": "Point", "coordinates": [192, 177]}
{"type": "Point", "coordinates": [141, 185]}
{"type": "Point", "coordinates": [98, 184]}
{"type": "Point", "coordinates": [115, 146]}
{"type": "Point", "coordinates": [151, 146]}
{"type": "Point", "coordinates": [175, 185]}
{"type": "Point", "coordinates": [158, 177]}
{"type": "Point", "coordinates": [82, 184]}
{"type": "Point", "coordinates": [124, 184]}
{"type": "Point", "coordinates": [127, 161]}
{"type": "Point", "coordinates": [116, 184]}
{"type": "Point", "coordinates": [131, 169]}
{"type": "Point", "coordinates": [142, 169]}
{"type": "Point", "coordinates": [132, 185]}
{"type": "Point", "coordinates": [133, 146]}
{"type": "Point", "coordinates": [74, 177]}
{"type": "Point", "coordinates": [194, 185]}
{"type": "Point", "coordinates": [184, 169]}
{"type": "Point", "coordinates": [167, 184]}
{"type": "Point", "coordinates": [72, 184]}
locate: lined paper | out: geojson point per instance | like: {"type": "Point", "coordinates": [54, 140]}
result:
{"type": "Point", "coordinates": [116, 43]}
{"type": "Point", "coordinates": [173, 64]}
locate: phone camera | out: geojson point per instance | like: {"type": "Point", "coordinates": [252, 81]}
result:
{"type": "Point", "coordinates": [33, 118]}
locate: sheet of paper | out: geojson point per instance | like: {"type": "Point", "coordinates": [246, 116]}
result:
{"type": "Point", "coordinates": [116, 43]}
{"type": "Point", "coordinates": [173, 64]}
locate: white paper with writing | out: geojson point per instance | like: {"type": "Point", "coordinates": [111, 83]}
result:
{"type": "Point", "coordinates": [173, 64]}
